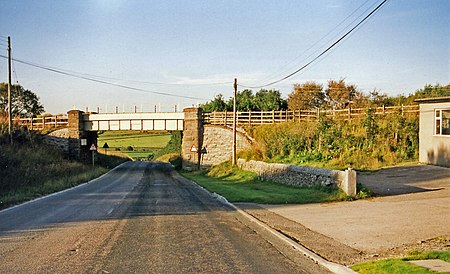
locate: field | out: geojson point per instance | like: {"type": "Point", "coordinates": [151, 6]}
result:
{"type": "Point", "coordinates": [135, 144]}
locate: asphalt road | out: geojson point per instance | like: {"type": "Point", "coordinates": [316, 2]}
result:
{"type": "Point", "coordinates": [140, 218]}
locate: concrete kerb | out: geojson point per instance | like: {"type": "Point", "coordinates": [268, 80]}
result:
{"type": "Point", "coordinates": [333, 267]}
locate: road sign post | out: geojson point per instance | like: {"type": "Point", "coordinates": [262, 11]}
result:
{"type": "Point", "coordinates": [93, 149]}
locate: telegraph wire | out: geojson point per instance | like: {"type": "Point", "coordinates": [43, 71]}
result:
{"type": "Point", "coordinates": [323, 52]}
{"type": "Point", "coordinates": [282, 70]}
{"type": "Point", "coordinates": [124, 80]}
{"type": "Point", "coordinates": [14, 70]}
{"type": "Point", "coordinates": [103, 82]}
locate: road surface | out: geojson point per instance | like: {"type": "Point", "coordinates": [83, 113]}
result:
{"type": "Point", "coordinates": [141, 217]}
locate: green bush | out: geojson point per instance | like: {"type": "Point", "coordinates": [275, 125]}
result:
{"type": "Point", "coordinates": [367, 143]}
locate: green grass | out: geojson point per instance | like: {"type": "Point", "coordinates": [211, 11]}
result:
{"type": "Point", "coordinates": [136, 139]}
{"type": "Point", "coordinates": [401, 265]}
{"type": "Point", "coordinates": [31, 170]}
{"type": "Point", "coordinates": [243, 186]}
{"type": "Point", "coordinates": [145, 145]}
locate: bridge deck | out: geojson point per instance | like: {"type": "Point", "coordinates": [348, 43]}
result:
{"type": "Point", "coordinates": [134, 121]}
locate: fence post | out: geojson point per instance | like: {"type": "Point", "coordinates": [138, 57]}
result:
{"type": "Point", "coordinates": [349, 113]}
{"type": "Point", "coordinates": [250, 117]}
{"type": "Point", "coordinates": [402, 109]}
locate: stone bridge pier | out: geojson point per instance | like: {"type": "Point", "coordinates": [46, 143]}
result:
{"type": "Point", "coordinates": [80, 140]}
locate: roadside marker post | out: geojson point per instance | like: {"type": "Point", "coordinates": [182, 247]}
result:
{"type": "Point", "coordinates": [93, 149]}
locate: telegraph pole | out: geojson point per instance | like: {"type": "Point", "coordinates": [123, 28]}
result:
{"type": "Point", "coordinates": [234, 123]}
{"type": "Point", "coordinates": [9, 93]}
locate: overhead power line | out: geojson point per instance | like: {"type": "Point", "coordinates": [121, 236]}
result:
{"type": "Point", "coordinates": [102, 81]}
{"type": "Point", "coordinates": [323, 52]}
{"type": "Point", "coordinates": [284, 69]}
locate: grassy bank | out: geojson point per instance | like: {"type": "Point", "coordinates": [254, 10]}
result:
{"type": "Point", "coordinates": [242, 186]}
{"type": "Point", "coordinates": [401, 265]}
{"type": "Point", "coordinates": [30, 169]}
{"type": "Point", "coordinates": [370, 142]}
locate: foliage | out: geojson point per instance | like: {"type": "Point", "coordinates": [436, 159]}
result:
{"type": "Point", "coordinates": [401, 265]}
{"type": "Point", "coordinates": [217, 104]}
{"type": "Point", "coordinates": [367, 143]}
{"type": "Point", "coordinates": [174, 144]}
{"type": "Point", "coordinates": [24, 102]}
{"type": "Point", "coordinates": [243, 186]}
{"type": "Point", "coordinates": [431, 91]}
{"type": "Point", "coordinates": [370, 125]}
{"type": "Point", "coordinates": [247, 101]}
{"type": "Point", "coordinates": [30, 169]}
{"type": "Point", "coordinates": [339, 94]}
{"type": "Point", "coordinates": [268, 100]}
{"type": "Point", "coordinates": [308, 95]}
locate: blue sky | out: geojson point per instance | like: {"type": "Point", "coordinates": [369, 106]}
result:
{"type": "Point", "coordinates": [190, 48]}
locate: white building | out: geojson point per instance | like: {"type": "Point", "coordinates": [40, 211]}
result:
{"type": "Point", "coordinates": [434, 131]}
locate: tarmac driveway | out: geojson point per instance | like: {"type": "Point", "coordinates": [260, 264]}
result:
{"type": "Point", "coordinates": [417, 209]}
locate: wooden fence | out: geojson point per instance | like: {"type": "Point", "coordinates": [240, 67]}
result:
{"type": "Point", "coordinates": [43, 122]}
{"type": "Point", "coordinates": [280, 116]}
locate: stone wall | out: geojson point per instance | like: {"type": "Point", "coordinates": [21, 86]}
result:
{"type": "Point", "coordinates": [58, 139]}
{"type": "Point", "coordinates": [192, 138]}
{"type": "Point", "coordinates": [218, 143]}
{"type": "Point", "coordinates": [302, 175]}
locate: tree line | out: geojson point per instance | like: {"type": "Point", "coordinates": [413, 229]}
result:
{"type": "Point", "coordinates": [337, 94]}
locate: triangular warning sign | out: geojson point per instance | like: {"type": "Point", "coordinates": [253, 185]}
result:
{"type": "Point", "coordinates": [194, 148]}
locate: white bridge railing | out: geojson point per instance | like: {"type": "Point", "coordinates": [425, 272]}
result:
{"type": "Point", "coordinates": [134, 121]}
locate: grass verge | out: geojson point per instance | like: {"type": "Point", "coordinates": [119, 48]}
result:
{"type": "Point", "coordinates": [401, 265]}
{"type": "Point", "coordinates": [34, 170]}
{"type": "Point", "coordinates": [243, 186]}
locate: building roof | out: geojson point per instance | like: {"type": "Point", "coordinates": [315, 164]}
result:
{"type": "Point", "coordinates": [445, 99]}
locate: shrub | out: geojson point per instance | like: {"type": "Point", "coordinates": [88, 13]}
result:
{"type": "Point", "coordinates": [367, 143]}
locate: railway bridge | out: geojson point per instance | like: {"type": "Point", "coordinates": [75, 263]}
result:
{"type": "Point", "coordinates": [198, 138]}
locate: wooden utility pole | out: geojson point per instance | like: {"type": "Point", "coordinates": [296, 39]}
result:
{"type": "Point", "coordinates": [234, 161]}
{"type": "Point", "coordinates": [9, 93]}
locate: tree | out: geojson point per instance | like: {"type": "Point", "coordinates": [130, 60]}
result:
{"type": "Point", "coordinates": [430, 91]}
{"type": "Point", "coordinates": [217, 104]}
{"type": "Point", "coordinates": [308, 95]}
{"type": "Point", "coordinates": [378, 99]}
{"type": "Point", "coordinates": [244, 101]}
{"type": "Point", "coordinates": [269, 100]}
{"type": "Point", "coordinates": [23, 101]}
{"type": "Point", "coordinates": [339, 94]}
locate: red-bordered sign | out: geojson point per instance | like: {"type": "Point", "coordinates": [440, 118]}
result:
{"type": "Point", "coordinates": [194, 148]}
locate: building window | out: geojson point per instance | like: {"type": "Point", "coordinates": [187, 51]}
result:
{"type": "Point", "coordinates": [442, 122]}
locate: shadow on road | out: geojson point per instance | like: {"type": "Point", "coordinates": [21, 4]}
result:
{"type": "Point", "coordinates": [405, 180]}
{"type": "Point", "coordinates": [133, 190]}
